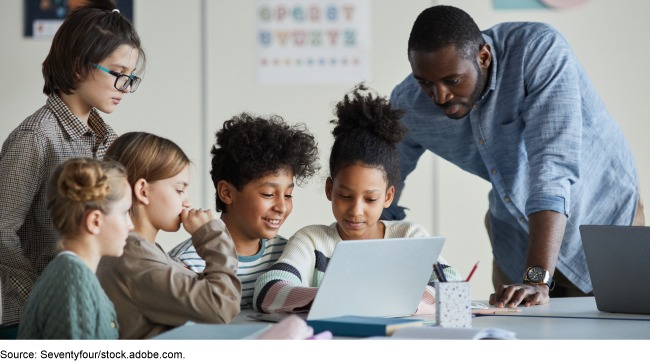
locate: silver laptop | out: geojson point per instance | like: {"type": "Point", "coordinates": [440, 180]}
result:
{"type": "Point", "coordinates": [617, 258]}
{"type": "Point", "coordinates": [378, 278]}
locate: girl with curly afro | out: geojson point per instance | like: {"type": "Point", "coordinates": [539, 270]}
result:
{"type": "Point", "coordinates": [256, 163]}
{"type": "Point", "coordinates": [364, 173]}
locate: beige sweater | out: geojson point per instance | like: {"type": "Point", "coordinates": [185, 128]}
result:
{"type": "Point", "coordinates": [153, 293]}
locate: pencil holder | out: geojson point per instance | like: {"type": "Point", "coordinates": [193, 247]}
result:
{"type": "Point", "coordinates": [453, 304]}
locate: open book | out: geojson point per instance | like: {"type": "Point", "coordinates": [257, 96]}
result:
{"type": "Point", "coordinates": [438, 333]}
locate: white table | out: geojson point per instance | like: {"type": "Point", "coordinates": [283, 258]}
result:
{"type": "Point", "coordinates": [566, 328]}
{"type": "Point", "coordinates": [573, 307]}
{"type": "Point", "coordinates": [562, 318]}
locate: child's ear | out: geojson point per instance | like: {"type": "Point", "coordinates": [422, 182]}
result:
{"type": "Point", "coordinates": [224, 191]}
{"type": "Point", "coordinates": [328, 188]}
{"type": "Point", "coordinates": [390, 194]}
{"type": "Point", "coordinates": [141, 191]}
{"type": "Point", "coordinates": [77, 70]}
{"type": "Point", "coordinates": [93, 222]}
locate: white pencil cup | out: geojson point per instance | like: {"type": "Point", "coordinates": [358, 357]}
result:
{"type": "Point", "coordinates": [453, 304]}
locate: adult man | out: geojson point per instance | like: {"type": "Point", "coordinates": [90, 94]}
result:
{"type": "Point", "coordinates": [513, 106]}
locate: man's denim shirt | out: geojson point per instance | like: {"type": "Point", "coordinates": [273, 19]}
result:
{"type": "Point", "coordinates": [541, 135]}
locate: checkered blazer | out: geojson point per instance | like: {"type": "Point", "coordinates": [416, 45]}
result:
{"type": "Point", "coordinates": [29, 155]}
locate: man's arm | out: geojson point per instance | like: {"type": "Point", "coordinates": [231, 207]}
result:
{"type": "Point", "coordinates": [553, 139]}
{"type": "Point", "coordinates": [546, 233]}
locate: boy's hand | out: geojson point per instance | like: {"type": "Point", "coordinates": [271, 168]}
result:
{"type": "Point", "coordinates": [193, 219]}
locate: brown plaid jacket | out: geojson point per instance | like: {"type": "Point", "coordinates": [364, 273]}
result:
{"type": "Point", "coordinates": [29, 155]}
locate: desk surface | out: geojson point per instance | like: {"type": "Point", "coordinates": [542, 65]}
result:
{"type": "Point", "coordinates": [576, 318]}
{"type": "Point", "coordinates": [566, 328]}
{"type": "Point", "coordinates": [574, 307]}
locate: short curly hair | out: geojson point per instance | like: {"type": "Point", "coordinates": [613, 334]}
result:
{"type": "Point", "coordinates": [367, 132]}
{"type": "Point", "coordinates": [250, 147]}
{"type": "Point", "coordinates": [441, 26]}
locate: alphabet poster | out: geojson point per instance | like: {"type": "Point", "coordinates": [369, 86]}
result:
{"type": "Point", "coordinates": [313, 42]}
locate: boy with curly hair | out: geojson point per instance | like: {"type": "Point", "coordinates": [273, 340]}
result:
{"type": "Point", "coordinates": [254, 164]}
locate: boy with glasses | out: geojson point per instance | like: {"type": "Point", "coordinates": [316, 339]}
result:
{"type": "Point", "coordinates": [67, 126]}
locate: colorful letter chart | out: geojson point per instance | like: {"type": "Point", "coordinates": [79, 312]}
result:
{"type": "Point", "coordinates": [313, 42]}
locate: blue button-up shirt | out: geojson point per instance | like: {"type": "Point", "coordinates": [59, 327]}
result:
{"type": "Point", "coordinates": [541, 135]}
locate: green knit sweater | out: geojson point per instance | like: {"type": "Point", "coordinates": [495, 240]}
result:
{"type": "Point", "coordinates": [67, 302]}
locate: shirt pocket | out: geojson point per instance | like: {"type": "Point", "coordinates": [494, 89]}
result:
{"type": "Point", "coordinates": [512, 137]}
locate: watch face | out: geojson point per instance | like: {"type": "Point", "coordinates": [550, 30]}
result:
{"type": "Point", "coordinates": [536, 274]}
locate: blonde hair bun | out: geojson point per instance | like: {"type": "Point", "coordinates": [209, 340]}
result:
{"type": "Point", "coordinates": [80, 185]}
{"type": "Point", "coordinates": [83, 182]}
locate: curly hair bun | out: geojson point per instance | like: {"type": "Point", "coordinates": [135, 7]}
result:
{"type": "Point", "coordinates": [82, 181]}
{"type": "Point", "coordinates": [362, 109]}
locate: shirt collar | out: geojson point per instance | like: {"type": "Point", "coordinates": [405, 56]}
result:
{"type": "Point", "coordinates": [493, 76]}
{"type": "Point", "coordinates": [71, 123]}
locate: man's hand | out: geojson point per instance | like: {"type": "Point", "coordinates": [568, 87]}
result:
{"type": "Point", "coordinates": [193, 219]}
{"type": "Point", "coordinates": [514, 294]}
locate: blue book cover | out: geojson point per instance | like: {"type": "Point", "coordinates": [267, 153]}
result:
{"type": "Point", "coordinates": [361, 326]}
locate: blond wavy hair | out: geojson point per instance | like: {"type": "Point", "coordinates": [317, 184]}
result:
{"type": "Point", "coordinates": [79, 186]}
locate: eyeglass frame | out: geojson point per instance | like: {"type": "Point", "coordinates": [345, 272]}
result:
{"type": "Point", "coordinates": [132, 78]}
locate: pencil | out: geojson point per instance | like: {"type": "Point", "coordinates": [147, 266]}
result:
{"type": "Point", "coordinates": [472, 273]}
{"type": "Point", "coordinates": [435, 270]}
{"type": "Point", "coordinates": [442, 273]}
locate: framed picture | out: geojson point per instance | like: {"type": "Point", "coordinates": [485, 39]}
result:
{"type": "Point", "coordinates": [44, 17]}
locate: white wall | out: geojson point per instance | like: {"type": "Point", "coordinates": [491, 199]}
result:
{"type": "Point", "coordinates": [606, 35]}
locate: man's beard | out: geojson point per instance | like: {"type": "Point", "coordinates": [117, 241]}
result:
{"type": "Point", "coordinates": [476, 94]}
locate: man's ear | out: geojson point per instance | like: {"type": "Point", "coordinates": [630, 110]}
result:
{"type": "Point", "coordinates": [328, 188]}
{"type": "Point", "coordinates": [390, 194]}
{"type": "Point", "coordinates": [141, 191]}
{"type": "Point", "coordinates": [225, 191]}
{"type": "Point", "coordinates": [484, 57]}
{"type": "Point", "coordinates": [93, 222]}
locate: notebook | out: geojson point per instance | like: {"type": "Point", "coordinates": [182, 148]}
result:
{"type": "Point", "coordinates": [361, 326]}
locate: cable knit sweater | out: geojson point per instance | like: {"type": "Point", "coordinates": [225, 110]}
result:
{"type": "Point", "coordinates": [67, 302]}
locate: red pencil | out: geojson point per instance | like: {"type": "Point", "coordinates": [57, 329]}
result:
{"type": "Point", "coordinates": [472, 273]}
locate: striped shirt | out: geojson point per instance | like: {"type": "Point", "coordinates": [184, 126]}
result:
{"type": "Point", "coordinates": [249, 268]}
{"type": "Point", "coordinates": [28, 157]}
{"type": "Point", "coordinates": [292, 283]}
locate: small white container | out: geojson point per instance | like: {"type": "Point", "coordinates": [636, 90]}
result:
{"type": "Point", "coordinates": [453, 304]}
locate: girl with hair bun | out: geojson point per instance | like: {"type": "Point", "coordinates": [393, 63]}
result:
{"type": "Point", "coordinates": [364, 173]}
{"type": "Point", "coordinates": [89, 202]}
{"type": "Point", "coordinates": [152, 292]}
{"type": "Point", "coordinates": [90, 68]}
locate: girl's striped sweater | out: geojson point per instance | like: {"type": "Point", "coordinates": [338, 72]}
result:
{"type": "Point", "coordinates": [292, 282]}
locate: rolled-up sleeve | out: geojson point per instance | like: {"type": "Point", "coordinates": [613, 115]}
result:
{"type": "Point", "coordinates": [553, 117]}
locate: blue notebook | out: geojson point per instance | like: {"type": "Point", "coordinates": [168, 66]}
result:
{"type": "Point", "coordinates": [361, 326]}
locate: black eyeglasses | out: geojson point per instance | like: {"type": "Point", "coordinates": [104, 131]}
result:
{"type": "Point", "coordinates": [122, 81]}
